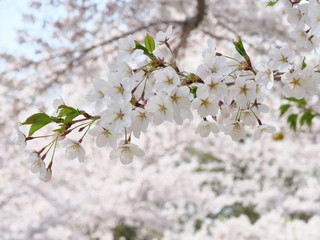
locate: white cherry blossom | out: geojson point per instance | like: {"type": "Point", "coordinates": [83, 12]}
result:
{"type": "Point", "coordinates": [243, 91]}
{"type": "Point", "coordinates": [297, 83]}
{"type": "Point", "coordinates": [126, 152]}
{"type": "Point", "coordinates": [215, 86]}
{"type": "Point", "coordinates": [123, 69]}
{"type": "Point", "coordinates": [259, 107]}
{"type": "Point", "coordinates": [235, 130]}
{"type": "Point", "coordinates": [265, 77]}
{"type": "Point", "coordinates": [127, 49]}
{"type": "Point", "coordinates": [247, 117]}
{"type": "Point", "coordinates": [297, 15]}
{"type": "Point", "coordinates": [162, 37]}
{"type": "Point", "coordinates": [74, 150]}
{"type": "Point", "coordinates": [281, 58]}
{"type": "Point", "coordinates": [119, 88]}
{"type": "Point", "coordinates": [225, 110]}
{"type": "Point", "coordinates": [104, 135]}
{"type": "Point", "coordinates": [45, 174]}
{"type": "Point", "coordinates": [302, 38]}
{"type": "Point", "coordinates": [21, 140]}
{"type": "Point", "coordinates": [36, 164]}
{"type": "Point", "coordinates": [99, 94]}
{"type": "Point", "coordinates": [204, 128]}
{"type": "Point", "coordinates": [211, 50]}
{"type": "Point", "coordinates": [118, 115]}
{"type": "Point", "coordinates": [57, 103]}
{"type": "Point", "coordinates": [314, 15]}
{"type": "Point", "coordinates": [261, 129]}
{"type": "Point", "coordinates": [161, 108]}
{"type": "Point", "coordinates": [205, 104]}
{"type": "Point", "coordinates": [180, 100]}
{"type": "Point", "coordinates": [140, 121]}
{"type": "Point", "coordinates": [213, 65]}
{"type": "Point", "coordinates": [166, 79]}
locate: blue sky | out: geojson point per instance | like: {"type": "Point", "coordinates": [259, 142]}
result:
{"type": "Point", "coordinates": [10, 21]}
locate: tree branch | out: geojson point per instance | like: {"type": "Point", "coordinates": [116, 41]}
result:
{"type": "Point", "coordinates": [190, 24]}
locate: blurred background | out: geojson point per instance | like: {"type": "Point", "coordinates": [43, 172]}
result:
{"type": "Point", "coordinates": [185, 187]}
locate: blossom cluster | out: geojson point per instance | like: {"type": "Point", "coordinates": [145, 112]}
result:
{"type": "Point", "coordinates": [226, 93]}
{"type": "Point", "coordinates": [305, 17]}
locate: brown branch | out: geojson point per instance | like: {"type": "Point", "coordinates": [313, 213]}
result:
{"type": "Point", "coordinates": [85, 51]}
{"type": "Point", "coordinates": [190, 24]}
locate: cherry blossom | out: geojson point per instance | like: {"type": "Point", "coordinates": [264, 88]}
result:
{"type": "Point", "coordinates": [99, 94]}
{"type": "Point", "coordinates": [204, 128]}
{"type": "Point", "coordinates": [205, 104]}
{"type": "Point", "coordinates": [35, 163]}
{"type": "Point", "coordinates": [314, 15]}
{"type": "Point", "coordinates": [74, 150]}
{"type": "Point", "coordinates": [163, 37]}
{"type": "Point", "coordinates": [265, 77]}
{"type": "Point", "coordinates": [297, 15]}
{"type": "Point", "coordinates": [211, 50]}
{"type": "Point", "coordinates": [243, 91]}
{"type": "Point", "coordinates": [166, 79]}
{"type": "Point", "coordinates": [235, 130]}
{"type": "Point", "coordinates": [215, 66]}
{"type": "Point", "coordinates": [127, 47]}
{"type": "Point", "coordinates": [140, 121]}
{"type": "Point", "coordinates": [104, 135]}
{"type": "Point", "coordinates": [21, 139]}
{"type": "Point", "coordinates": [180, 100]}
{"type": "Point", "coordinates": [118, 116]}
{"type": "Point", "coordinates": [297, 83]}
{"type": "Point", "coordinates": [215, 86]}
{"type": "Point", "coordinates": [45, 174]}
{"type": "Point", "coordinates": [281, 58]}
{"type": "Point", "coordinates": [161, 108]}
{"type": "Point", "coordinates": [126, 152]}
{"type": "Point", "coordinates": [261, 129]}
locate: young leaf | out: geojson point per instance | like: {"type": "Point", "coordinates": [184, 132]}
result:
{"type": "Point", "coordinates": [303, 65]}
{"type": "Point", "coordinates": [194, 91]}
{"type": "Point", "coordinates": [306, 118]}
{"type": "Point", "coordinates": [240, 49]}
{"type": "Point", "coordinates": [145, 50]}
{"type": "Point", "coordinates": [284, 108]}
{"type": "Point", "coordinates": [292, 120]}
{"type": "Point", "coordinates": [37, 121]}
{"type": "Point", "coordinates": [149, 43]}
{"type": "Point", "coordinates": [301, 102]}
{"type": "Point", "coordinates": [272, 3]}
{"type": "Point", "coordinates": [68, 112]}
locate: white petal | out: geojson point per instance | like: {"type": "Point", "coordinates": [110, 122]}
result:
{"type": "Point", "coordinates": [102, 140]}
{"type": "Point", "coordinates": [115, 153]}
{"type": "Point", "coordinates": [126, 157]}
{"type": "Point", "coordinates": [81, 154]}
{"type": "Point", "coordinates": [137, 151]}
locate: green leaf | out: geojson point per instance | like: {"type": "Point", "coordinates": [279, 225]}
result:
{"type": "Point", "coordinates": [68, 112]}
{"type": "Point", "coordinates": [303, 65]}
{"type": "Point", "coordinates": [301, 102]}
{"type": "Point", "coordinates": [194, 91]}
{"type": "Point", "coordinates": [37, 121]}
{"type": "Point", "coordinates": [149, 43]}
{"type": "Point", "coordinates": [58, 130]}
{"type": "Point", "coordinates": [240, 49]}
{"type": "Point", "coordinates": [292, 120]}
{"type": "Point", "coordinates": [307, 118]}
{"type": "Point", "coordinates": [145, 50]}
{"type": "Point", "coordinates": [272, 3]}
{"type": "Point", "coordinates": [284, 108]}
